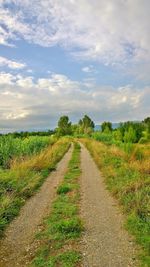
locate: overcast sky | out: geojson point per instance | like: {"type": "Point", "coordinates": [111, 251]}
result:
{"type": "Point", "coordinates": [73, 57]}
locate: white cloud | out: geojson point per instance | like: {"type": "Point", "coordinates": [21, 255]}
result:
{"type": "Point", "coordinates": [11, 27]}
{"type": "Point", "coordinates": [28, 103]}
{"type": "Point", "coordinates": [18, 115]}
{"type": "Point", "coordinates": [88, 69]}
{"type": "Point", "coordinates": [112, 31]}
{"type": "Point", "coordinates": [25, 83]}
{"type": "Point", "coordinates": [6, 78]}
{"type": "Point", "coordinates": [11, 63]}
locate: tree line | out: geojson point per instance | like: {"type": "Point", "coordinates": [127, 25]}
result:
{"type": "Point", "coordinates": [128, 132]}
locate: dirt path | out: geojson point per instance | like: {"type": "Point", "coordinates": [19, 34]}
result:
{"type": "Point", "coordinates": [17, 246]}
{"type": "Point", "coordinates": [105, 243]}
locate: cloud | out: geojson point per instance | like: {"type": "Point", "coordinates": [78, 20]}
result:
{"type": "Point", "coordinates": [112, 32]}
{"type": "Point", "coordinates": [89, 69]}
{"type": "Point", "coordinates": [26, 103]}
{"type": "Point", "coordinates": [11, 64]}
{"type": "Point", "coordinates": [16, 116]}
{"type": "Point", "coordinates": [6, 78]}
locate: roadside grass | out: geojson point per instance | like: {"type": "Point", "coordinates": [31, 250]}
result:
{"type": "Point", "coordinates": [24, 178]}
{"type": "Point", "coordinates": [127, 176]}
{"type": "Point", "coordinates": [63, 227]}
{"type": "Point", "coordinates": [11, 147]}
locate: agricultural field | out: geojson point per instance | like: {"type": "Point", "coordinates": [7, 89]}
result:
{"type": "Point", "coordinates": [11, 147]}
{"type": "Point", "coordinates": [24, 166]}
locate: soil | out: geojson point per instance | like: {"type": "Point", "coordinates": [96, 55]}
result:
{"type": "Point", "coordinates": [105, 242]}
{"type": "Point", "coordinates": [18, 246]}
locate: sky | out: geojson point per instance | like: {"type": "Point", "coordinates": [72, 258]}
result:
{"type": "Point", "coordinates": [73, 57]}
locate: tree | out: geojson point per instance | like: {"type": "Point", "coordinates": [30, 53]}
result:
{"type": "Point", "coordinates": [138, 128]}
{"type": "Point", "coordinates": [64, 126]}
{"type": "Point", "coordinates": [106, 126]}
{"type": "Point", "coordinates": [118, 135]}
{"type": "Point", "coordinates": [86, 125]}
{"type": "Point", "coordinates": [147, 124]}
{"type": "Point", "coordinates": [147, 120]}
{"type": "Point", "coordinates": [130, 135]}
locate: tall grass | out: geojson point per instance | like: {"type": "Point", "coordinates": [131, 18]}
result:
{"type": "Point", "coordinates": [106, 138]}
{"type": "Point", "coordinates": [24, 177]}
{"type": "Point", "coordinates": [127, 176]}
{"type": "Point", "coordinates": [11, 147]}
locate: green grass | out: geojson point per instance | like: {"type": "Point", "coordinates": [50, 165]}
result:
{"type": "Point", "coordinates": [128, 178]}
{"type": "Point", "coordinates": [63, 227]}
{"type": "Point", "coordinates": [64, 189]}
{"type": "Point", "coordinates": [11, 147]}
{"type": "Point", "coordinates": [24, 178]}
{"type": "Point", "coordinates": [66, 259]}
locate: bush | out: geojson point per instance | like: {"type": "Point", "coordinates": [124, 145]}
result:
{"type": "Point", "coordinates": [106, 138]}
{"type": "Point", "coordinates": [130, 135]}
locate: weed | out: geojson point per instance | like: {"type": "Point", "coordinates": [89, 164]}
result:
{"type": "Point", "coordinates": [64, 189]}
{"type": "Point", "coordinates": [69, 227]}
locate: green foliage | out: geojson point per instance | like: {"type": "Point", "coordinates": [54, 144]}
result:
{"type": "Point", "coordinates": [144, 140]}
{"type": "Point", "coordinates": [106, 138]}
{"type": "Point", "coordinates": [64, 126]}
{"type": "Point", "coordinates": [64, 188]}
{"type": "Point", "coordinates": [130, 135]}
{"type": "Point", "coordinates": [127, 147]}
{"type": "Point", "coordinates": [131, 131]}
{"type": "Point", "coordinates": [11, 147]}
{"type": "Point", "coordinates": [64, 259]}
{"type": "Point", "coordinates": [147, 120]}
{"type": "Point", "coordinates": [86, 125]}
{"type": "Point", "coordinates": [68, 259]}
{"type": "Point", "coordinates": [70, 227]}
{"type": "Point", "coordinates": [141, 230]}
{"type": "Point", "coordinates": [118, 135]}
{"type": "Point", "coordinates": [28, 134]}
{"type": "Point", "coordinates": [106, 126]}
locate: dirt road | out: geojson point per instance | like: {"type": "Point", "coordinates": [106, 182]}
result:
{"type": "Point", "coordinates": [17, 247]}
{"type": "Point", "coordinates": [105, 243]}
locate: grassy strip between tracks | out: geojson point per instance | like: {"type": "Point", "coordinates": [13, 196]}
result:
{"type": "Point", "coordinates": [63, 227]}
{"type": "Point", "coordinates": [24, 178]}
{"type": "Point", "coordinates": [129, 181]}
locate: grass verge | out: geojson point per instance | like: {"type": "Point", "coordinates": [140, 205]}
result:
{"type": "Point", "coordinates": [63, 227]}
{"type": "Point", "coordinates": [128, 179]}
{"type": "Point", "coordinates": [24, 178]}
